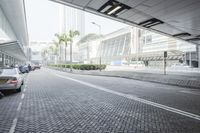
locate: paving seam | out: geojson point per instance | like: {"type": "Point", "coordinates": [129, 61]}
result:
{"type": "Point", "coordinates": [161, 106]}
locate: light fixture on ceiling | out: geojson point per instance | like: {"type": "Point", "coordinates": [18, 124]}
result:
{"type": "Point", "coordinates": [193, 39]}
{"type": "Point", "coordinates": [182, 35]}
{"type": "Point", "coordinates": [113, 8]}
{"type": "Point", "coordinates": [151, 22]}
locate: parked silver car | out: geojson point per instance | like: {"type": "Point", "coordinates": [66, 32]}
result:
{"type": "Point", "coordinates": [11, 78]}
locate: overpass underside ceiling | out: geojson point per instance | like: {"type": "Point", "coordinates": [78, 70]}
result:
{"type": "Point", "coordinates": [175, 18]}
{"type": "Point", "coordinates": [13, 49]}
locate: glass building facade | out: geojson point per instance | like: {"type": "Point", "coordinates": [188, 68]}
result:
{"type": "Point", "coordinates": [130, 45]}
{"type": "Point", "coordinates": [117, 46]}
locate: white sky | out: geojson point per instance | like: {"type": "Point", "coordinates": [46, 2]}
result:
{"type": "Point", "coordinates": [43, 21]}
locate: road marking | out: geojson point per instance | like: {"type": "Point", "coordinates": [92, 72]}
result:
{"type": "Point", "coordinates": [12, 129]}
{"type": "Point", "coordinates": [19, 106]}
{"type": "Point", "coordinates": [164, 107]}
{"type": "Point", "coordinates": [14, 124]}
{"type": "Point", "coordinates": [190, 92]}
{"type": "Point", "coordinates": [22, 97]}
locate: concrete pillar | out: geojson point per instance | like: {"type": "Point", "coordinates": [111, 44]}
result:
{"type": "Point", "coordinates": [185, 57]}
{"type": "Point", "coordinates": [198, 55]}
{"type": "Point", "coordinates": [1, 59]}
{"type": "Point", "coordinates": [190, 59]}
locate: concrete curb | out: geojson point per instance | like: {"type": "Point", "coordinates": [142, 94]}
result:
{"type": "Point", "coordinates": [155, 78]}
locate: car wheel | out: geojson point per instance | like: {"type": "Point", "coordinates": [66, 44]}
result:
{"type": "Point", "coordinates": [22, 82]}
{"type": "Point", "coordinates": [19, 89]}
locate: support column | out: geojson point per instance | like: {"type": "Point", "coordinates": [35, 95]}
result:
{"type": "Point", "coordinates": [198, 54]}
{"type": "Point", "coordinates": [2, 60]}
{"type": "Point", "coordinates": [190, 59]}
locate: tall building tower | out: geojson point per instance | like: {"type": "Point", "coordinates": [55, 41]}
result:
{"type": "Point", "coordinates": [71, 19]}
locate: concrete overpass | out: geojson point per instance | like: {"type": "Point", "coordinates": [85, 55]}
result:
{"type": "Point", "coordinates": [14, 34]}
{"type": "Point", "coordinates": [174, 18]}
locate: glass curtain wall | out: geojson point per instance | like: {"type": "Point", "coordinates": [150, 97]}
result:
{"type": "Point", "coordinates": [114, 48]}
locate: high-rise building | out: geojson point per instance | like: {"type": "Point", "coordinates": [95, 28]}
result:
{"type": "Point", "coordinates": [71, 19]}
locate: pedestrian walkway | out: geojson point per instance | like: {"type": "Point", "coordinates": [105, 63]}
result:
{"type": "Point", "coordinates": [190, 80]}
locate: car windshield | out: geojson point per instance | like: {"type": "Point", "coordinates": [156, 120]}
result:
{"type": "Point", "coordinates": [8, 72]}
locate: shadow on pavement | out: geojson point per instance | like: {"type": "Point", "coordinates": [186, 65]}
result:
{"type": "Point", "coordinates": [4, 93]}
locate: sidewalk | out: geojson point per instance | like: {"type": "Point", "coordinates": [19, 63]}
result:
{"type": "Point", "coordinates": [190, 80]}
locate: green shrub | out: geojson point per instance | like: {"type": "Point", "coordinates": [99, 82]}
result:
{"type": "Point", "coordinates": [80, 66]}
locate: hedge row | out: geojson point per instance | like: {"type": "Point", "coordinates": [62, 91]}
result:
{"type": "Point", "coordinates": [80, 66]}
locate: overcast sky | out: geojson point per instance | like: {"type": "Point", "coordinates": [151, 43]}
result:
{"type": "Point", "coordinates": [43, 21]}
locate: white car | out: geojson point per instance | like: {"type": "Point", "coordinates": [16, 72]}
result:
{"type": "Point", "coordinates": [11, 79]}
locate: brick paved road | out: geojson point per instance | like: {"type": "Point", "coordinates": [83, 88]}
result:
{"type": "Point", "coordinates": [76, 104]}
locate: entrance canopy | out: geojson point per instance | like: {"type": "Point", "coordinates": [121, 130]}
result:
{"type": "Point", "coordinates": [174, 18]}
{"type": "Point", "coordinates": [13, 49]}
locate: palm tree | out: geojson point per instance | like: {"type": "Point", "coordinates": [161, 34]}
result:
{"type": "Point", "coordinates": [58, 43]}
{"type": "Point", "coordinates": [44, 54]}
{"type": "Point", "coordinates": [64, 38]}
{"type": "Point", "coordinates": [53, 50]}
{"type": "Point", "coordinates": [72, 34]}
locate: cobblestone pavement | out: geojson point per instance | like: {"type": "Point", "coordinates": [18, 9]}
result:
{"type": "Point", "coordinates": [52, 104]}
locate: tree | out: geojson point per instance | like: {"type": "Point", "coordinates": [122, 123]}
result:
{"type": "Point", "coordinates": [58, 43]}
{"type": "Point", "coordinates": [54, 48]}
{"type": "Point", "coordinates": [72, 34]}
{"type": "Point", "coordinates": [44, 54]}
{"type": "Point", "coordinates": [65, 38]}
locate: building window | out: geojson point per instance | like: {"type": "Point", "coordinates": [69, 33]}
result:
{"type": "Point", "coordinates": [149, 39]}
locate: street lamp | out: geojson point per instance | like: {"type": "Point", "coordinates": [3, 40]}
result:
{"type": "Point", "coordinates": [99, 26]}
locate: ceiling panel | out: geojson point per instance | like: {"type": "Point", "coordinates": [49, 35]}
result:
{"type": "Point", "coordinates": [165, 4]}
{"type": "Point", "coordinates": [167, 29]}
{"type": "Point", "coordinates": [96, 4]}
{"type": "Point", "coordinates": [127, 14]}
{"type": "Point", "coordinates": [81, 3]}
{"type": "Point", "coordinates": [186, 14]}
{"type": "Point", "coordinates": [152, 3]}
{"type": "Point", "coordinates": [138, 18]}
{"type": "Point", "coordinates": [68, 1]}
{"type": "Point", "coordinates": [134, 3]}
{"type": "Point", "coordinates": [179, 16]}
{"type": "Point", "coordinates": [177, 9]}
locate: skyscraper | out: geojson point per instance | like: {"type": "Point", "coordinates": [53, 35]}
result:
{"type": "Point", "coordinates": [71, 19]}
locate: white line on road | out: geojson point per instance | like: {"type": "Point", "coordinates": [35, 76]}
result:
{"type": "Point", "coordinates": [164, 107]}
{"type": "Point", "coordinates": [190, 92]}
{"type": "Point", "coordinates": [19, 106]}
{"type": "Point", "coordinates": [12, 129]}
{"type": "Point", "coordinates": [24, 89]}
{"type": "Point", "coordinates": [22, 97]}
